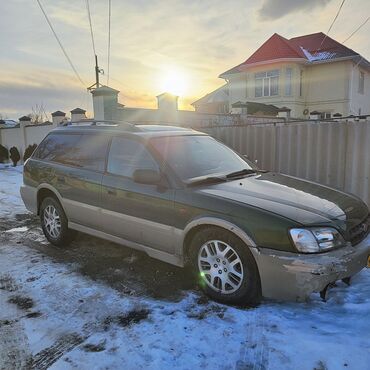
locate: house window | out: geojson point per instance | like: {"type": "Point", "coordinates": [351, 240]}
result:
{"type": "Point", "coordinates": [301, 83]}
{"type": "Point", "coordinates": [267, 83]}
{"type": "Point", "coordinates": [288, 81]}
{"type": "Point", "coordinates": [361, 83]}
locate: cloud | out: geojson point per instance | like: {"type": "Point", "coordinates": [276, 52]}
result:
{"type": "Point", "coordinates": [274, 9]}
{"type": "Point", "coordinates": [200, 38]}
{"type": "Point", "coordinates": [23, 88]}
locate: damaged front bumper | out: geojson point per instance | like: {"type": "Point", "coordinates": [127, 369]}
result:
{"type": "Point", "coordinates": [290, 276]}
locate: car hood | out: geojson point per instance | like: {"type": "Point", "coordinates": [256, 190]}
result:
{"type": "Point", "coordinates": [305, 202]}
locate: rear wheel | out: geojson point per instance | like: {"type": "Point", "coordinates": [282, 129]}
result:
{"type": "Point", "coordinates": [225, 267]}
{"type": "Point", "coordinates": [54, 223]}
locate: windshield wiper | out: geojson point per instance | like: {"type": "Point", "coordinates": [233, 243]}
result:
{"type": "Point", "coordinates": [205, 180]}
{"type": "Point", "coordinates": [243, 172]}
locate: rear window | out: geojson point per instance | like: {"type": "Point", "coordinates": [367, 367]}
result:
{"type": "Point", "coordinates": [81, 150]}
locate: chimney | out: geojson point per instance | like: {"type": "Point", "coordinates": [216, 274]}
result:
{"type": "Point", "coordinates": [105, 102]}
{"type": "Point", "coordinates": [58, 118]}
{"type": "Point", "coordinates": [77, 114]}
{"type": "Point", "coordinates": [167, 102]}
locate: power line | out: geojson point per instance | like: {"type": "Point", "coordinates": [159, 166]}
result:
{"type": "Point", "coordinates": [332, 24]}
{"type": "Point", "coordinates": [91, 28]}
{"type": "Point", "coordinates": [60, 44]}
{"type": "Point", "coordinates": [357, 29]}
{"type": "Point", "coordinates": [109, 26]}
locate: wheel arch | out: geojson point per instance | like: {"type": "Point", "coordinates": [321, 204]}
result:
{"type": "Point", "coordinates": [201, 223]}
{"type": "Point", "coordinates": [45, 190]}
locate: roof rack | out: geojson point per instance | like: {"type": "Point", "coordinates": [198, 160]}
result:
{"type": "Point", "coordinates": [102, 123]}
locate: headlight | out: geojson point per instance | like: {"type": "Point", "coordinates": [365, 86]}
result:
{"type": "Point", "coordinates": [318, 239]}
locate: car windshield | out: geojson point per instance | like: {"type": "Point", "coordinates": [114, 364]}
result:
{"type": "Point", "coordinates": [195, 156]}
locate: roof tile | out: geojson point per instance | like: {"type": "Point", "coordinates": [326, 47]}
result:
{"type": "Point", "coordinates": [310, 48]}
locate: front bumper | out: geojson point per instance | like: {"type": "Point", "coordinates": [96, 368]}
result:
{"type": "Point", "coordinates": [295, 276]}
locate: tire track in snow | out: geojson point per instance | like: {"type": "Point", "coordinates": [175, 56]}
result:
{"type": "Point", "coordinates": [254, 353]}
{"type": "Point", "coordinates": [14, 348]}
{"type": "Point", "coordinates": [48, 356]}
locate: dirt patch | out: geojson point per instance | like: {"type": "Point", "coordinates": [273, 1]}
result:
{"type": "Point", "coordinates": [24, 303]}
{"type": "Point", "coordinates": [32, 278]}
{"type": "Point", "coordinates": [125, 270]}
{"type": "Point", "coordinates": [8, 284]}
{"type": "Point", "coordinates": [33, 315]}
{"type": "Point", "coordinates": [20, 220]}
{"type": "Point", "coordinates": [320, 366]}
{"type": "Point", "coordinates": [132, 317]}
{"type": "Point", "coordinates": [203, 300]}
{"type": "Point", "coordinates": [200, 313]}
{"type": "Point", "coordinates": [7, 322]}
{"type": "Point", "coordinates": [89, 347]}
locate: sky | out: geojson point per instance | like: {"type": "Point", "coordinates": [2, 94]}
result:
{"type": "Point", "coordinates": [180, 46]}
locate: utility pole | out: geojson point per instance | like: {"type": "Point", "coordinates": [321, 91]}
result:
{"type": "Point", "coordinates": [97, 72]}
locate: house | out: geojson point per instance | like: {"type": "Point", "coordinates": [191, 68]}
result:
{"type": "Point", "coordinates": [302, 74]}
{"type": "Point", "coordinates": [215, 102]}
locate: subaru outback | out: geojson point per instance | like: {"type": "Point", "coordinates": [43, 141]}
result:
{"type": "Point", "coordinates": [185, 198]}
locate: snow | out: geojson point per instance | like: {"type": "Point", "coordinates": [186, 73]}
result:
{"type": "Point", "coordinates": [17, 229]}
{"type": "Point", "coordinates": [318, 55]}
{"type": "Point", "coordinates": [10, 182]}
{"type": "Point", "coordinates": [79, 323]}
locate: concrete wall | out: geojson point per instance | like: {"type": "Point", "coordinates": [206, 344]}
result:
{"type": "Point", "coordinates": [187, 118]}
{"type": "Point", "coordinates": [332, 153]}
{"type": "Point", "coordinates": [23, 136]}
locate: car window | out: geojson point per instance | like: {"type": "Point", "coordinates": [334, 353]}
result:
{"type": "Point", "coordinates": [194, 156]}
{"type": "Point", "coordinates": [85, 151]}
{"type": "Point", "coordinates": [127, 155]}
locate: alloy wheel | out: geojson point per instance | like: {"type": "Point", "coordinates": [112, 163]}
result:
{"type": "Point", "coordinates": [220, 266]}
{"type": "Point", "coordinates": [52, 221]}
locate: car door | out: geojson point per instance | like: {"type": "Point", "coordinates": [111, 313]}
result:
{"type": "Point", "coordinates": [140, 213]}
{"type": "Point", "coordinates": [76, 169]}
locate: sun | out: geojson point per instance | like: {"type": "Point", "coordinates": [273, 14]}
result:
{"type": "Point", "coordinates": [174, 81]}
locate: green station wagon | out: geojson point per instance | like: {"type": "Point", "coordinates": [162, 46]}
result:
{"type": "Point", "coordinates": [185, 198]}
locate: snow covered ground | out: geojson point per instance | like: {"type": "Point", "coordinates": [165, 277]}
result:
{"type": "Point", "coordinates": [53, 315]}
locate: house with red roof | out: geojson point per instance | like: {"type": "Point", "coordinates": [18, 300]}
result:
{"type": "Point", "coordinates": [304, 74]}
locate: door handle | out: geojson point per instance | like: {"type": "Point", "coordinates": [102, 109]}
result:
{"type": "Point", "coordinates": [112, 192]}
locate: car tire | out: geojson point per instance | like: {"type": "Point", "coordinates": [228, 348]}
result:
{"type": "Point", "coordinates": [54, 223]}
{"type": "Point", "coordinates": [224, 267]}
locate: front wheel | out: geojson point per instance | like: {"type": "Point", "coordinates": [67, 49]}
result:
{"type": "Point", "coordinates": [225, 267]}
{"type": "Point", "coordinates": [54, 223]}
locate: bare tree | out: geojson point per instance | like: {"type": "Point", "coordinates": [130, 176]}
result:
{"type": "Point", "coordinates": [38, 114]}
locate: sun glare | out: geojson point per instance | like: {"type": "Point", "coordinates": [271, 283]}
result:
{"type": "Point", "coordinates": [175, 82]}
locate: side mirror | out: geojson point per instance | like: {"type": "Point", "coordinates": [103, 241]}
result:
{"type": "Point", "coordinates": [146, 176]}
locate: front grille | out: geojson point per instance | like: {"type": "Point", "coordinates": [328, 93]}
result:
{"type": "Point", "coordinates": [360, 231]}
